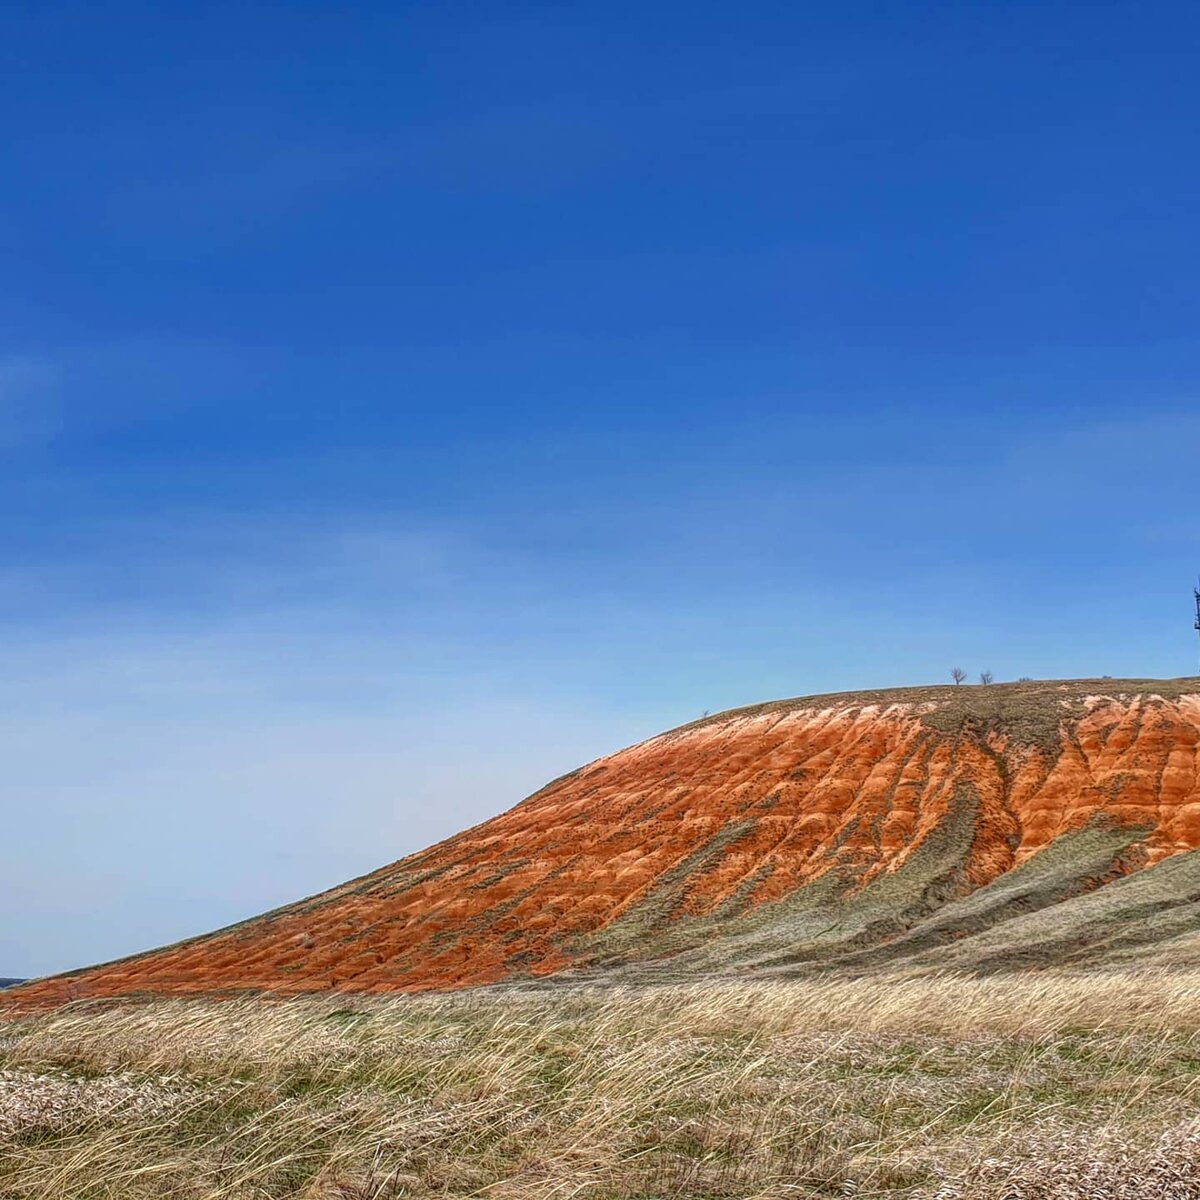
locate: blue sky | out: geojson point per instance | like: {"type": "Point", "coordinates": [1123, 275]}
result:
{"type": "Point", "coordinates": [401, 404]}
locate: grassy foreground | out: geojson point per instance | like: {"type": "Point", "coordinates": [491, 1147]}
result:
{"type": "Point", "coordinates": [1014, 1087]}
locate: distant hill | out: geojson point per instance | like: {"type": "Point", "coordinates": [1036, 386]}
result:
{"type": "Point", "coordinates": [10, 982]}
{"type": "Point", "coordinates": [972, 828]}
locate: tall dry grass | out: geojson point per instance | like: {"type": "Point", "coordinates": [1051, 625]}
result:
{"type": "Point", "coordinates": [1048, 1086]}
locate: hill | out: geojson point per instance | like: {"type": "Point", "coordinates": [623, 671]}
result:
{"type": "Point", "coordinates": [976, 828]}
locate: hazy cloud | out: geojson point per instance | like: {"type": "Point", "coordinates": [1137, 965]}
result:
{"type": "Point", "coordinates": [158, 786]}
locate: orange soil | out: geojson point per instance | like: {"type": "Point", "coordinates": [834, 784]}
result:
{"type": "Point", "coordinates": [813, 785]}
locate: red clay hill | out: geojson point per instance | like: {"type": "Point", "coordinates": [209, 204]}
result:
{"type": "Point", "coordinates": [966, 827]}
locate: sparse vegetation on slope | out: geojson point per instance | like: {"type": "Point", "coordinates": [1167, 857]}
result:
{"type": "Point", "coordinates": [1047, 1087]}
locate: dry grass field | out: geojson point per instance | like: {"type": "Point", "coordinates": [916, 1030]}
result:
{"type": "Point", "coordinates": [1011, 1086]}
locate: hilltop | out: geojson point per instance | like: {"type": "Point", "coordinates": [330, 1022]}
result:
{"type": "Point", "coordinates": [975, 828]}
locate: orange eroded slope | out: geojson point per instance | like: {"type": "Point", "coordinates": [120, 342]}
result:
{"type": "Point", "coordinates": [718, 820]}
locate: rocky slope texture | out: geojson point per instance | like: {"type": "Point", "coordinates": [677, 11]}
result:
{"type": "Point", "coordinates": [974, 828]}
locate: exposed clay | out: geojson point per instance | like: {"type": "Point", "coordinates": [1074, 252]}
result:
{"type": "Point", "coordinates": [744, 808]}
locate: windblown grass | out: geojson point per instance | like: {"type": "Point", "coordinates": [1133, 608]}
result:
{"type": "Point", "coordinates": [1047, 1086]}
